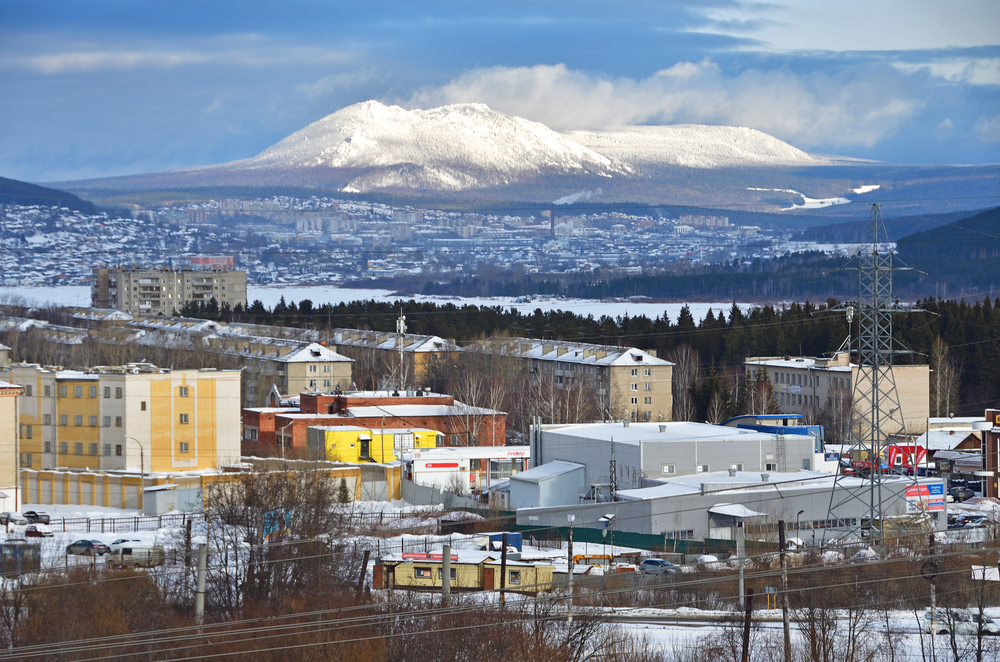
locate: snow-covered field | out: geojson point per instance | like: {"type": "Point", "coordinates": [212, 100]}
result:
{"type": "Point", "coordinates": [79, 295]}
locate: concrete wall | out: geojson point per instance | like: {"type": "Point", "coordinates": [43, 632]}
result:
{"type": "Point", "coordinates": [426, 495]}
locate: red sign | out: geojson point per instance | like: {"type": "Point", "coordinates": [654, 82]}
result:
{"type": "Point", "coordinates": [442, 465]}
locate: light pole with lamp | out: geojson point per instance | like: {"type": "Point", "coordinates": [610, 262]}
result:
{"type": "Point", "coordinates": [609, 523]}
{"type": "Point", "coordinates": [142, 473]}
{"type": "Point", "coordinates": [798, 539]}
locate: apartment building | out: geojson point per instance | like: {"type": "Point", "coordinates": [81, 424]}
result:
{"type": "Point", "coordinates": [616, 382]}
{"type": "Point", "coordinates": [10, 427]}
{"type": "Point", "coordinates": [823, 387]}
{"type": "Point", "coordinates": [165, 291]}
{"type": "Point", "coordinates": [127, 417]}
{"type": "Point", "coordinates": [378, 352]}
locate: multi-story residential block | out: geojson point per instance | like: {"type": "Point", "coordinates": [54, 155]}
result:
{"type": "Point", "coordinates": [379, 353]}
{"type": "Point", "coordinates": [164, 291]}
{"type": "Point", "coordinates": [821, 388]}
{"type": "Point", "coordinates": [135, 416]}
{"type": "Point", "coordinates": [10, 429]}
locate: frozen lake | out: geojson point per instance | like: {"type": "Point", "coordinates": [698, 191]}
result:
{"type": "Point", "coordinates": [79, 295]}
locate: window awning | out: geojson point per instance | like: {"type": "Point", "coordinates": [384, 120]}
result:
{"type": "Point", "coordinates": [734, 510]}
{"type": "Point", "coordinates": [365, 437]}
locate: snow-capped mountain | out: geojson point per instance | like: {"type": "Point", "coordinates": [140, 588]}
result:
{"type": "Point", "coordinates": [449, 148]}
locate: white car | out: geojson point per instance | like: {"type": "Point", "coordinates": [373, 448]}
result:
{"type": "Point", "coordinates": [116, 545]}
{"type": "Point", "coordinates": [961, 621]}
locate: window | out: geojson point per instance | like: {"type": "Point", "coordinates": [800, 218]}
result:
{"type": "Point", "coordinates": [648, 386]}
{"type": "Point", "coordinates": [78, 420]}
{"type": "Point", "coordinates": [701, 469]}
{"type": "Point", "coordinates": [48, 447]}
{"type": "Point", "coordinates": [62, 419]}
{"type": "Point", "coordinates": [107, 391]}
{"type": "Point", "coordinates": [118, 421]}
{"type": "Point", "coordinates": [78, 448]}
{"type": "Point", "coordinates": [47, 391]}
{"type": "Point", "coordinates": [142, 405]}
{"type": "Point", "coordinates": [326, 368]}
{"type": "Point", "coordinates": [667, 469]}
{"type": "Point", "coordinates": [312, 383]}
{"type": "Point", "coordinates": [93, 391]}
{"type": "Point", "coordinates": [93, 421]}
{"type": "Point", "coordinates": [439, 440]}
{"type": "Point", "coordinates": [77, 391]}
{"type": "Point", "coordinates": [184, 419]}
{"type": "Point", "coordinates": [326, 382]}
{"type": "Point", "coordinates": [27, 389]}
{"type": "Point", "coordinates": [736, 466]}
{"type": "Point", "coordinates": [29, 459]}
{"type": "Point", "coordinates": [451, 574]}
{"type": "Point", "coordinates": [634, 386]}
{"type": "Point", "coordinates": [182, 391]}
{"type": "Point", "coordinates": [184, 447]}
{"type": "Point", "coordinates": [647, 372]}
{"type": "Point", "coordinates": [635, 401]}
{"type": "Point", "coordinates": [515, 577]}
{"type": "Point", "coordinates": [29, 429]}
{"type": "Point", "coordinates": [118, 391]}
{"type": "Point", "coordinates": [648, 400]}
{"type": "Point", "coordinates": [422, 573]}
{"type": "Point", "coordinates": [62, 448]}
{"type": "Point", "coordinates": [93, 449]}
{"type": "Point", "coordinates": [107, 450]}
{"type": "Point", "coordinates": [312, 368]}
{"type": "Point", "coordinates": [118, 450]}
{"type": "Point", "coordinates": [62, 390]}
{"type": "Point", "coordinates": [770, 466]}
{"type": "Point", "coordinates": [47, 419]}
{"type": "Point", "coordinates": [635, 372]}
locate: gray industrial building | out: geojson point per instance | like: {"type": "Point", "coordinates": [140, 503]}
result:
{"type": "Point", "coordinates": [710, 505]}
{"type": "Point", "coordinates": [649, 451]}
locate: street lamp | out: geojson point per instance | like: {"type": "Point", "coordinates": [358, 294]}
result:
{"type": "Point", "coordinates": [797, 538]}
{"type": "Point", "coordinates": [609, 522]}
{"type": "Point", "coordinates": [142, 473]}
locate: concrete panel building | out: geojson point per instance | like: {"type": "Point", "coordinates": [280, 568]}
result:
{"type": "Point", "coordinates": [130, 417]}
{"type": "Point", "coordinates": [821, 388]}
{"type": "Point", "coordinates": [165, 291]}
{"type": "Point", "coordinates": [11, 430]}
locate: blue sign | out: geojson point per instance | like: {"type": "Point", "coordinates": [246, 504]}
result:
{"type": "Point", "coordinates": [831, 457]}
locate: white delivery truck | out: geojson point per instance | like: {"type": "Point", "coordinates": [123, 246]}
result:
{"type": "Point", "coordinates": [138, 556]}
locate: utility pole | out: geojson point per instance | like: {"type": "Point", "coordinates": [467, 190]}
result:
{"type": "Point", "coordinates": [740, 553]}
{"type": "Point", "coordinates": [571, 565]}
{"type": "Point", "coordinates": [746, 627]}
{"type": "Point", "coordinates": [503, 569]}
{"type": "Point", "coordinates": [445, 575]}
{"type": "Point", "coordinates": [401, 329]}
{"type": "Point", "coordinates": [199, 596]}
{"type": "Point", "coordinates": [784, 592]}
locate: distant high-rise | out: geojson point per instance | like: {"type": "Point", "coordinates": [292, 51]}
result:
{"type": "Point", "coordinates": [153, 291]}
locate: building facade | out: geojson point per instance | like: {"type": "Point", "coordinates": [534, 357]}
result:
{"type": "Point", "coordinates": [129, 417]}
{"type": "Point", "coordinates": [821, 388]}
{"type": "Point", "coordinates": [11, 430]}
{"type": "Point", "coordinates": [165, 291]}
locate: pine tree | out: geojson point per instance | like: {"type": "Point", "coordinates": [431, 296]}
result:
{"type": "Point", "coordinates": [343, 495]}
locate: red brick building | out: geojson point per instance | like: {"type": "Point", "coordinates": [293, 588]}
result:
{"type": "Point", "coordinates": [461, 424]}
{"type": "Point", "coordinates": [991, 452]}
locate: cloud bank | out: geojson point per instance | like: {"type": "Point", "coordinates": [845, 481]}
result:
{"type": "Point", "coordinates": [813, 110]}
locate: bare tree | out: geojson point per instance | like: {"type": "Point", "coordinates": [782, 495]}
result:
{"type": "Point", "coordinates": [686, 372]}
{"type": "Point", "coordinates": [945, 377]}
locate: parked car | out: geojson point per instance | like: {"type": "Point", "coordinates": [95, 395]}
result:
{"type": "Point", "coordinates": [138, 556]}
{"type": "Point", "coordinates": [12, 518]}
{"type": "Point", "coordinates": [657, 567]}
{"type": "Point", "coordinates": [961, 621]}
{"type": "Point", "coordinates": [87, 548]}
{"type": "Point", "coordinates": [37, 531]}
{"type": "Point", "coordinates": [113, 547]}
{"type": "Point", "coordinates": [36, 517]}
{"type": "Point", "coordinates": [961, 493]}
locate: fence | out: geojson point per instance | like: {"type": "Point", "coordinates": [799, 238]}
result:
{"type": "Point", "coordinates": [124, 524]}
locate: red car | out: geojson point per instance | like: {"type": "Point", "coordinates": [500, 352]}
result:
{"type": "Point", "coordinates": [37, 531]}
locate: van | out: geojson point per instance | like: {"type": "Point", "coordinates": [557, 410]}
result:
{"type": "Point", "coordinates": [962, 621]}
{"type": "Point", "coordinates": [138, 556]}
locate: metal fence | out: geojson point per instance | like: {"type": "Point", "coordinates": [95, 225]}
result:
{"type": "Point", "coordinates": [124, 524]}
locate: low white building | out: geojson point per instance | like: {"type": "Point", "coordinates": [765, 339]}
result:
{"type": "Point", "coordinates": [557, 483]}
{"type": "Point", "coordinates": [475, 468]}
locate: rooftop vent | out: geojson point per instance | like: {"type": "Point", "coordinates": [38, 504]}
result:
{"type": "Point", "coordinates": [663, 428]}
{"type": "Point", "coordinates": [625, 424]}
{"type": "Point", "coordinates": [732, 473]}
{"type": "Point", "coordinates": [764, 477]}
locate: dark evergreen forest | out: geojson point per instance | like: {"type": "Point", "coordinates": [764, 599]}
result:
{"type": "Point", "coordinates": [970, 330]}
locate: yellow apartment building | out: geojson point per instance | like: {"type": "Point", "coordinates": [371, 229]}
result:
{"type": "Point", "coordinates": [10, 428]}
{"type": "Point", "coordinates": [359, 444]}
{"type": "Point", "coordinates": [128, 417]}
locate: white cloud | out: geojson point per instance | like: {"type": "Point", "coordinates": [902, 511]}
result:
{"type": "Point", "coordinates": [987, 129]}
{"type": "Point", "coordinates": [975, 71]}
{"type": "Point", "coordinates": [239, 50]}
{"type": "Point", "coordinates": [335, 83]}
{"type": "Point", "coordinates": [807, 111]}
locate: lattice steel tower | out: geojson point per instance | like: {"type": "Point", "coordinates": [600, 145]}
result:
{"type": "Point", "coordinates": [875, 415]}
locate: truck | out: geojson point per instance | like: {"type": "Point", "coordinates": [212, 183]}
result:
{"type": "Point", "coordinates": [138, 556]}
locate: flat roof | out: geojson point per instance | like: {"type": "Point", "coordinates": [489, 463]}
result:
{"type": "Point", "coordinates": [547, 471]}
{"type": "Point", "coordinates": [673, 432]}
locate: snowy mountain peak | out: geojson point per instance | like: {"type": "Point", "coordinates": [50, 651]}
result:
{"type": "Point", "coordinates": [452, 147]}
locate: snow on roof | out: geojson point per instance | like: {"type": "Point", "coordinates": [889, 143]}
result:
{"type": "Point", "coordinates": [722, 480]}
{"type": "Point", "coordinates": [388, 340]}
{"type": "Point", "coordinates": [4, 384]}
{"type": "Point", "coordinates": [419, 410]}
{"type": "Point", "coordinates": [313, 352]}
{"type": "Point", "coordinates": [571, 352]}
{"type": "Point", "coordinates": [942, 440]}
{"type": "Point", "coordinates": [799, 363]}
{"type": "Point", "coordinates": [734, 510]}
{"type": "Point", "coordinates": [546, 471]}
{"type": "Point", "coordinates": [272, 410]}
{"type": "Point", "coordinates": [673, 432]}
{"type": "Point", "coordinates": [77, 374]}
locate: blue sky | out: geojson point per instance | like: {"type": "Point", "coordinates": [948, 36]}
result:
{"type": "Point", "coordinates": [104, 87]}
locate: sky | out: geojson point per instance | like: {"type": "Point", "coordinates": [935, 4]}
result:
{"type": "Point", "coordinates": [115, 87]}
